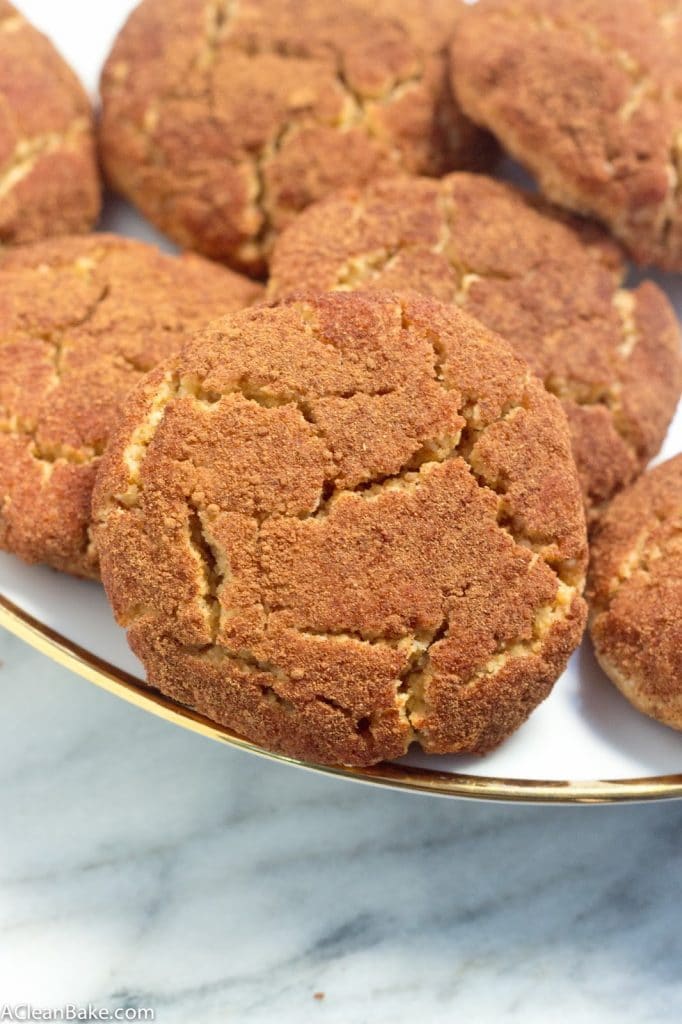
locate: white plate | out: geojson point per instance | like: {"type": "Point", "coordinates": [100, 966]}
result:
{"type": "Point", "coordinates": [584, 732]}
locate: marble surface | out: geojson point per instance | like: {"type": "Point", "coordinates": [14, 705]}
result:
{"type": "Point", "coordinates": [141, 865]}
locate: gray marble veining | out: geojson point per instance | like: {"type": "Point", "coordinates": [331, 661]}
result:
{"type": "Point", "coordinates": [145, 866]}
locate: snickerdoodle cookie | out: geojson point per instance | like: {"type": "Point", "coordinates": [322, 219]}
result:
{"type": "Point", "coordinates": [81, 319]}
{"type": "Point", "coordinates": [551, 285]}
{"type": "Point", "coordinates": [222, 120]}
{"type": "Point", "coordinates": [49, 182]}
{"type": "Point", "coordinates": [345, 523]}
{"type": "Point", "coordinates": [636, 593]}
{"type": "Point", "coordinates": [588, 95]}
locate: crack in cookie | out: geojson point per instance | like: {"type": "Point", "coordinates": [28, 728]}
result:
{"type": "Point", "coordinates": [28, 152]}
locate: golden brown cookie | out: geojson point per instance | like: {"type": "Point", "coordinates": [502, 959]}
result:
{"type": "Point", "coordinates": [551, 285]}
{"type": "Point", "coordinates": [343, 524]}
{"type": "Point", "coordinates": [588, 95]}
{"type": "Point", "coordinates": [222, 120]}
{"type": "Point", "coordinates": [81, 320]}
{"type": "Point", "coordinates": [49, 183]}
{"type": "Point", "coordinates": [636, 593]}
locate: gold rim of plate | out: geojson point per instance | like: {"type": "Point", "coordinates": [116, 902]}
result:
{"type": "Point", "coordinates": [396, 776]}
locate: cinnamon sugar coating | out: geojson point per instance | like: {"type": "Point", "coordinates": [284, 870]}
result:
{"type": "Point", "coordinates": [636, 593]}
{"type": "Point", "coordinates": [588, 95]}
{"type": "Point", "coordinates": [343, 524]}
{"type": "Point", "coordinates": [222, 120]}
{"type": "Point", "coordinates": [81, 320]}
{"type": "Point", "coordinates": [49, 183]}
{"type": "Point", "coordinates": [548, 283]}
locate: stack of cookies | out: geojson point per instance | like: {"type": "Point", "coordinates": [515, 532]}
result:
{"type": "Point", "coordinates": [341, 464]}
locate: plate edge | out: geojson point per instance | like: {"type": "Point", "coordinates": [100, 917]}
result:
{"type": "Point", "coordinates": [396, 776]}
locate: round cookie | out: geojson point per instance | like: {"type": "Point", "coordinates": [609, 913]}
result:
{"type": "Point", "coordinates": [81, 320]}
{"type": "Point", "coordinates": [49, 183]}
{"type": "Point", "coordinates": [551, 285]}
{"type": "Point", "coordinates": [221, 121]}
{"type": "Point", "coordinates": [636, 593]}
{"type": "Point", "coordinates": [588, 95]}
{"type": "Point", "coordinates": [343, 524]}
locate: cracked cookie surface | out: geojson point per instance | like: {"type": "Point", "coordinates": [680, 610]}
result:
{"type": "Point", "coordinates": [49, 183]}
{"type": "Point", "coordinates": [345, 523]}
{"type": "Point", "coordinates": [81, 319]}
{"type": "Point", "coordinates": [636, 593]}
{"type": "Point", "coordinates": [550, 284]}
{"type": "Point", "coordinates": [588, 95]}
{"type": "Point", "coordinates": [223, 118]}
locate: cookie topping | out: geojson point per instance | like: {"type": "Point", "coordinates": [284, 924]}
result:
{"type": "Point", "coordinates": [345, 523]}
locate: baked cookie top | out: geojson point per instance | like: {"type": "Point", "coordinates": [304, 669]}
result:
{"type": "Point", "coordinates": [636, 593]}
{"type": "Point", "coordinates": [222, 120]}
{"type": "Point", "coordinates": [49, 183]}
{"type": "Point", "coordinates": [81, 319]}
{"type": "Point", "coordinates": [343, 524]}
{"type": "Point", "coordinates": [550, 284]}
{"type": "Point", "coordinates": [588, 95]}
